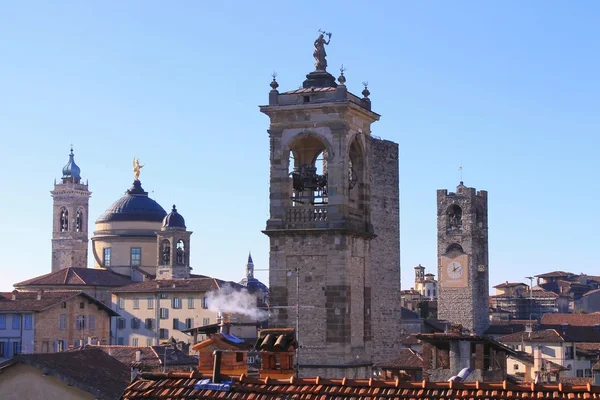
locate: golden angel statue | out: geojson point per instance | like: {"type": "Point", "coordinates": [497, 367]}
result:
{"type": "Point", "coordinates": [137, 168]}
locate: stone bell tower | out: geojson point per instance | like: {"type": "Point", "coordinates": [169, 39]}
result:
{"type": "Point", "coordinates": [173, 241]}
{"type": "Point", "coordinates": [70, 219]}
{"type": "Point", "coordinates": [463, 275]}
{"type": "Point", "coordinates": [334, 263]}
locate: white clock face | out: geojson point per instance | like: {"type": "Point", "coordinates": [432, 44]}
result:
{"type": "Point", "coordinates": [454, 270]}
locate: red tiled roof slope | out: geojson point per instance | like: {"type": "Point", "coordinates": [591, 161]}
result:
{"type": "Point", "coordinates": [407, 359]}
{"type": "Point", "coordinates": [571, 319]}
{"type": "Point", "coordinates": [78, 276]}
{"type": "Point", "coordinates": [28, 301]}
{"type": "Point", "coordinates": [151, 357]}
{"type": "Point", "coordinates": [177, 285]}
{"type": "Point", "coordinates": [180, 386]}
{"type": "Point", "coordinates": [547, 335]}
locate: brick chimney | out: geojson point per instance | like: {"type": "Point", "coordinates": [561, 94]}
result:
{"type": "Point", "coordinates": [39, 294]}
{"type": "Point", "coordinates": [277, 349]}
{"type": "Point", "coordinates": [14, 294]}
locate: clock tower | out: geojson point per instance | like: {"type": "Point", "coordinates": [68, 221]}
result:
{"type": "Point", "coordinates": [463, 257]}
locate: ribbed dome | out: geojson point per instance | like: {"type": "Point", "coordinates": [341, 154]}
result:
{"type": "Point", "coordinates": [134, 206]}
{"type": "Point", "coordinates": [174, 220]}
{"type": "Point", "coordinates": [71, 170]}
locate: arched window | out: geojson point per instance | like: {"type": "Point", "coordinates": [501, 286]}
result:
{"type": "Point", "coordinates": [166, 252]}
{"type": "Point", "coordinates": [454, 218]}
{"type": "Point", "coordinates": [64, 219]}
{"type": "Point", "coordinates": [308, 170]}
{"type": "Point", "coordinates": [454, 247]}
{"type": "Point", "coordinates": [79, 221]}
{"type": "Point", "coordinates": [181, 252]}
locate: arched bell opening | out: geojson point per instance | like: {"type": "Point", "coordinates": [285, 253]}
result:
{"type": "Point", "coordinates": [454, 218]}
{"type": "Point", "coordinates": [165, 251]}
{"type": "Point", "coordinates": [63, 219]}
{"type": "Point", "coordinates": [181, 252]}
{"type": "Point", "coordinates": [307, 168]}
{"type": "Point", "coordinates": [356, 175]}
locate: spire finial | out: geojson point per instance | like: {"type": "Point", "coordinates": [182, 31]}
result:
{"type": "Point", "coordinates": [366, 92]}
{"type": "Point", "coordinates": [274, 85]}
{"type": "Point", "coordinates": [342, 78]}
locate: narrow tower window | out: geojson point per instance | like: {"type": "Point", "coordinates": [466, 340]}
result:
{"type": "Point", "coordinates": [180, 252]}
{"type": "Point", "coordinates": [64, 220]}
{"type": "Point", "coordinates": [79, 221]}
{"type": "Point", "coordinates": [454, 218]}
{"type": "Point", "coordinates": [166, 252]}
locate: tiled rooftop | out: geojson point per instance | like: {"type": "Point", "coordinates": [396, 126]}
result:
{"type": "Point", "coordinates": [180, 386]}
{"type": "Point", "coordinates": [78, 277]}
{"type": "Point", "coordinates": [176, 285]}
{"type": "Point", "coordinates": [28, 301]}
{"type": "Point", "coordinates": [90, 370]}
{"type": "Point", "coordinates": [151, 357]}
{"type": "Point", "coordinates": [407, 359]}
{"type": "Point", "coordinates": [571, 319]}
{"type": "Point", "coordinates": [546, 335]}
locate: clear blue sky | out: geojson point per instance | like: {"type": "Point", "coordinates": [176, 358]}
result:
{"type": "Point", "coordinates": [510, 89]}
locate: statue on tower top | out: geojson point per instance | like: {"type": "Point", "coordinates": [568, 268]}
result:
{"type": "Point", "coordinates": [137, 168]}
{"type": "Point", "coordinates": [320, 54]}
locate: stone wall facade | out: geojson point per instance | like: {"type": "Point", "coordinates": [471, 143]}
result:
{"type": "Point", "coordinates": [467, 306]}
{"type": "Point", "coordinates": [385, 249]}
{"type": "Point", "coordinates": [70, 241]}
{"type": "Point", "coordinates": [48, 329]}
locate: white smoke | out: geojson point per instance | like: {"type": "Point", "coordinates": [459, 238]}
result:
{"type": "Point", "coordinates": [229, 300]}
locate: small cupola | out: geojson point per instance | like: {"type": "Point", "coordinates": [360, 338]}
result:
{"type": "Point", "coordinates": [173, 221]}
{"type": "Point", "coordinates": [71, 172]}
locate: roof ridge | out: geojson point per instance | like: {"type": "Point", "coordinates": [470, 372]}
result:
{"type": "Point", "coordinates": [78, 276]}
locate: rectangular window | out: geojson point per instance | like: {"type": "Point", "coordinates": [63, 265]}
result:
{"type": "Point", "coordinates": [82, 305]}
{"type": "Point", "coordinates": [63, 305]}
{"type": "Point", "coordinates": [164, 313]}
{"type": "Point", "coordinates": [16, 348]}
{"type": "Point", "coordinates": [148, 342]}
{"type": "Point", "coordinates": [164, 295]}
{"type": "Point", "coordinates": [149, 323]}
{"type": "Point", "coordinates": [62, 321]}
{"type": "Point", "coordinates": [568, 352]}
{"type": "Point", "coordinates": [150, 303]}
{"type": "Point", "coordinates": [136, 303]}
{"type": "Point", "coordinates": [205, 321]}
{"type": "Point", "coordinates": [136, 256]}
{"type": "Point", "coordinates": [2, 321]}
{"type": "Point", "coordinates": [580, 373]}
{"type": "Point", "coordinates": [80, 322]}
{"type": "Point", "coordinates": [588, 373]}
{"type": "Point", "coordinates": [121, 303]}
{"type": "Point", "coordinates": [120, 323]}
{"type": "Point", "coordinates": [3, 349]}
{"type": "Point", "coordinates": [45, 346]}
{"type": "Point", "coordinates": [176, 302]}
{"type": "Point", "coordinates": [121, 341]}
{"type": "Point", "coordinates": [28, 321]}
{"type": "Point", "coordinates": [106, 259]}
{"type": "Point", "coordinates": [134, 342]}
{"type": "Point", "coordinates": [135, 323]}
{"type": "Point", "coordinates": [188, 323]}
{"type": "Point", "coordinates": [190, 302]}
{"type": "Point", "coordinates": [175, 323]}
{"type": "Point", "coordinates": [16, 320]}
{"type": "Point", "coordinates": [204, 303]}
{"type": "Point", "coordinates": [164, 333]}
{"type": "Point", "coordinates": [60, 345]}
{"type": "Point", "coordinates": [92, 322]}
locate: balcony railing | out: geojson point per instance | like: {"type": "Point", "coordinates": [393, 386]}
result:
{"type": "Point", "coordinates": [302, 217]}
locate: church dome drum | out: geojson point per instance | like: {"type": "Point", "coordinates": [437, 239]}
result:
{"type": "Point", "coordinates": [134, 206]}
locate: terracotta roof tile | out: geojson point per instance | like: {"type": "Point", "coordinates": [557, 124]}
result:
{"type": "Point", "coordinates": [151, 357]}
{"type": "Point", "coordinates": [180, 386]}
{"type": "Point", "coordinates": [571, 319]}
{"type": "Point", "coordinates": [177, 285]}
{"type": "Point", "coordinates": [90, 370]}
{"type": "Point", "coordinates": [407, 359]}
{"type": "Point", "coordinates": [509, 284]}
{"type": "Point", "coordinates": [546, 335]}
{"type": "Point", "coordinates": [78, 276]}
{"type": "Point", "coordinates": [28, 301]}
